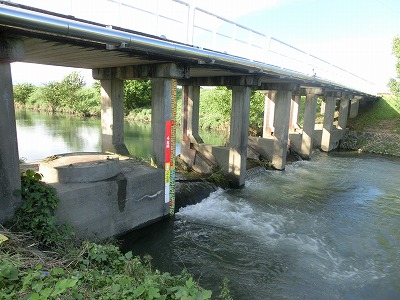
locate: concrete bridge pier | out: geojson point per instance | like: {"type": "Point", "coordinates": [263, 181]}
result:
{"type": "Point", "coordinates": [236, 169]}
{"type": "Point", "coordinates": [344, 107]}
{"type": "Point", "coordinates": [302, 142]}
{"type": "Point", "coordinates": [10, 50]}
{"type": "Point", "coordinates": [269, 114]}
{"type": "Point", "coordinates": [112, 116]}
{"type": "Point", "coordinates": [193, 151]}
{"type": "Point", "coordinates": [327, 143]}
{"type": "Point", "coordinates": [354, 105]}
{"type": "Point", "coordinates": [331, 134]}
{"type": "Point", "coordinates": [274, 143]}
{"type": "Point", "coordinates": [294, 112]}
{"type": "Point", "coordinates": [204, 158]}
{"type": "Point", "coordinates": [160, 113]}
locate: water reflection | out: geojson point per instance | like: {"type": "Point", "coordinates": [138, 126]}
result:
{"type": "Point", "coordinates": [41, 135]}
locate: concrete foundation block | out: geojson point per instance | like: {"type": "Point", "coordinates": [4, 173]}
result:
{"type": "Point", "coordinates": [107, 208]}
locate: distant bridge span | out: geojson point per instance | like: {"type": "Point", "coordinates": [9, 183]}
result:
{"type": "Point", "coordinates": [168, 41]}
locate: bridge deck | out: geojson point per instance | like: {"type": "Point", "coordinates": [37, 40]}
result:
{"type": "Point", "coordinates": [61, 40]}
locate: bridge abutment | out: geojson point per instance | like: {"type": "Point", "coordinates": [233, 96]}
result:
{"type": "Point", "coordinates": [10, 180]}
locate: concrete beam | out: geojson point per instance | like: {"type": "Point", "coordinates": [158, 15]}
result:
{"type": "Point", "coordinates": [9, 159]}
{"type": "Point", "coordinates": [268, 86]}
{"type": "Point", "coordinates": [311, 90]}
{"type": "Point", "coordinates": [11, 49]}
{"type": "Point", "coordinates": [166, 70]}
{"type": "Point", "coordinates": [161, 94]}
{"type": "Point", "coordinates": [250, 80]}
{"type": "Point", "coordinates": [112, 116]}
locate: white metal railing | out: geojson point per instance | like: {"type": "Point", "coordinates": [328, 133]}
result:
{"type": "Point", "coordinates": [179, 21]}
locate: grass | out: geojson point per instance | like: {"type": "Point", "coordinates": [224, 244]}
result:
{"type": "Point", "coordinates": [382, 115]}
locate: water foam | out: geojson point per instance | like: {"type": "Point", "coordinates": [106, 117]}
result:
{"type": "Point", "coordinates": [237, 216]}
{"type": "Point", "coordinates": [275, 232]}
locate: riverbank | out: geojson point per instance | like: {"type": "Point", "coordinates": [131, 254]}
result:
{"type": "Point", "coordinates": [372, 142]}
{"type": "Point", "coordinates": [376, 128]}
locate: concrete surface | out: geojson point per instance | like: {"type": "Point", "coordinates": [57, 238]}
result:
{"type": "Point", "coordinates": [106, 208]}
{"type": "Point", "coordinates": [79, 167]}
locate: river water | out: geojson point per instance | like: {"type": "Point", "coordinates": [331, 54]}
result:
{"type": "Point", "coordinates": [328, 228]}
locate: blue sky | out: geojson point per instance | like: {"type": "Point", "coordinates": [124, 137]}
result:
{"type": "Point", "coordinates": [353, 34]}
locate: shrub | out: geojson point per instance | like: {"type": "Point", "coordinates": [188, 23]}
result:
{"type": "Point", "coordinates": [22, 92]}
{"type": "Point", "coordinates": [36, 214]}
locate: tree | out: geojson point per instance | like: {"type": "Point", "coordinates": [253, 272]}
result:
{"type": "Point", "coordinates": [137, 94]}
{"type": "Point", "coordinates": [394, 83]}
{"type": "Point", "coordinates": [64, 93]}
{"type": "Point", "coordinates": [22, 92]}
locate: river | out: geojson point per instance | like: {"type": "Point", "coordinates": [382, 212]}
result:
{"type": "Point", "coordinates": [328, 228]}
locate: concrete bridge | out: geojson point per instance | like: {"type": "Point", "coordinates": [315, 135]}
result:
{"type": "Point", "coordinates": [169, 42]}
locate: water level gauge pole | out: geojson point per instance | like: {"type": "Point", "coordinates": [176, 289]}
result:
{"type": "Point", "coordinates": [170, 152]}
{"type": "Point", "coordinates": [173, 148]}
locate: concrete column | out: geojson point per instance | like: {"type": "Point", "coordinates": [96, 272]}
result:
{"type": "Point", "coordinates": [9, 159]}
{"type": "Point", "coordinates": [10, 180]}
{"type": "Point", "coordinates": [281, 124]}
{"type": "Point", "coordinates": [343, 112]}
{"type": "Point", "coordinates": [269, 111]}
{"type": "Point", "coordinates": [354, 104]}
{"type": "Point", "coordinates": [112, 116]}
{"type": "Point", "coordinates": [309, 124]}
{"type": "Point", "coordinates": [239, 134]}
{"type": "Point", "coordinates": [294, 113]}
{"type": "Point", "coordinates": [160, 113]}
{"type": "Point", "coordinates": [191, 107]}
{"type": "Point", "coordinates": [328, 123]}
{"type": "Point", "coordinates": [323, 103]}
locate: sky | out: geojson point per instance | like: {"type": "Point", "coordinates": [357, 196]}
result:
{"type": "Point", "coordinates": [355, 35]}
